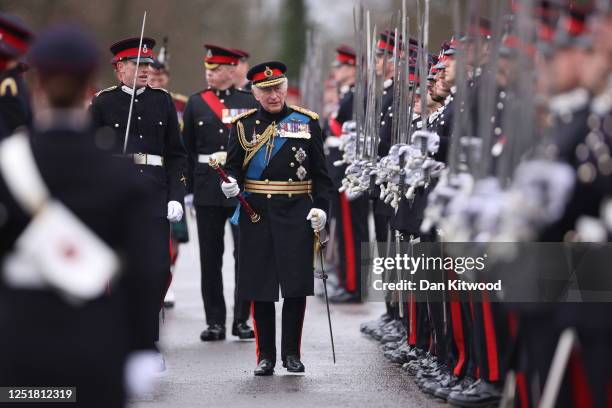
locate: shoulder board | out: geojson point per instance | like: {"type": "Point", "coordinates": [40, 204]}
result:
{"type": "Point", "coordinates": [243, 115]}
{"type": "Point", "coordinates": [313, 115]}
{"type": "Point", "coordinates": [110, 88]}
{"type": "Point", "coordinates": [244, 91]}
{"type": "Point", "coordinates": [178, 96]}
{"type": "Point", "coordinates": [160, 89]}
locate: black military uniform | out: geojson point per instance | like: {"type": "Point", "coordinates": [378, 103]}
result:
{"type": "Point", "coordinates": [154, 143]}
{"type": "Point", "coordinates": [284, 177]}
{"type": "Point", "coordinates": [351, 215]}
{"type": "Point", "coordinates": [207, 121]}
{"type": "Point", "coordinates": [15, 108]}
{"type": "Point", "coordinates": [47, 340]}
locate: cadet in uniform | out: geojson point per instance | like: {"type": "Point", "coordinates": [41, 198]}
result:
{"type": "Point", "coordinates": [55, 331]}
{"type": "Point", "coordinates": [14, 103]}
{"type": "Point", "coordinates": [154, 144]}
{"type": "Point", "coordinates": [276, 155]}
{"type": "Point", "coordinates": [351, 214]}
{"type": "Point", "coordinates": [242, 68]}
{"type": "Point", "coordinates": [206, 134]}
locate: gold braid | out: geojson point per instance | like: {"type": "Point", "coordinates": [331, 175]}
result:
{"type": "Point", "coordinates": [251, 147]}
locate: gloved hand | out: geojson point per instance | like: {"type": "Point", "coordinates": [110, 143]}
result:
{"type": "Point", "coordinates": [317, 219]}
{"type": "Point", "coordinates": [175, 211]}
{"type": "Point", "coordinates": [230, 189]}
{"type": "Point", "coordinates": [141, 369]}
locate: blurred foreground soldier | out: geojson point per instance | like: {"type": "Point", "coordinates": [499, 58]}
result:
{"type": "Point", "coordinates": [74, 285]}
{"type": "Point", "coordinates": [206, 134]}
{"type": "Point", "coordinates": [153, 144]}
{"type": "Point", "coordinates": [14, 104]}
{"type": "Point", "coordinates": [276, 155]}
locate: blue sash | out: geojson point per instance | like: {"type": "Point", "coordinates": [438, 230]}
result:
{"type": "Point", "coordinates": [258, 163]}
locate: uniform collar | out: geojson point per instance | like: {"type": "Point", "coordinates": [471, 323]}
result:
{"type": "Point", "coordinates": [225, 92]}
{"type": "Point", "coordinates": [128, 89]}
{"type": "Point", "coordinates": [569, 101]}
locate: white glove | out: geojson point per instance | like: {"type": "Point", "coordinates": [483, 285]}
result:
{"type": "Point", "coordinates": [175, 211]}
{"type": "Point", "coordinates": [141, 368]}
{"type": "Point", "coordinates": [230, 189]}
{"type": "Point", "coordinates": [317, 219]}
{"type": "Point", "coordinates": [189, 201]}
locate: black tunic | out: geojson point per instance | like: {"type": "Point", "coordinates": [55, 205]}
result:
{"type": "Point", "coordinates": [278, 250]}
{"type": "Point", "coordinates": [46, 341]}
{"type": "Point", "coordinates": [15, 108]}
{"type": "Point", "coordinates": [154, 130]}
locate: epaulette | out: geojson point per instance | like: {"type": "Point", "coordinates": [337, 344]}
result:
{"type": "Point", "coordinates": [8, 86]}
{"type": "Point", "coordinates": [110, 88]}
{"type": "Point", "coordinates": [313, 115]}
{"type": "Point", "coordinates": [179, 97]}
{"type": "Point", "coordinates": [160, 89]}
{"type": "Point", "coordinates": [243, 115]}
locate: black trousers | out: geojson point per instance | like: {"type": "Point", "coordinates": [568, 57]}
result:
{"type": "Point", "coordinates": [351, 231]}
{"type": "Point", "coordinates": [211, 231]}
{"type": "Point", "coordinates": [264, 322]}
{"type": "Point", "coordinates": [161, 275]}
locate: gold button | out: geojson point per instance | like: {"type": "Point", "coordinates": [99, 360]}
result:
{"type": "Point", "coordinates": [290, 195]}
{"type": "Point", "coordinates": [269, 196]}
{"type": "Point", "coordinates": [200, 123]}
{"type": "Point", "coordinates": [257, 122]}
{"type": "Point", "coordinates": [222, 100]}
{"type": "Point", "coordinates": [116, 125]}
{"type": "Point", "coordinates": [290, 180]}
{"type": "Point", "coordinates": [293, 148]}
{"type": "Point", "coordinates": [292, 164]}
{"type": "Point", "coordinates": [220, 130]}
{"type": "Point", "coordinates": [160, 123]}
{"type": "Point", "coordinates": [267, 181]}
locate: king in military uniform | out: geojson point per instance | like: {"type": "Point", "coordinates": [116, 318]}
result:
{"type": "Point", "coordinates": [206, 132]}
{"type": "Point", "coordinates": [152, 142]}
{"type": "Point", "coordinates": [276, 156]}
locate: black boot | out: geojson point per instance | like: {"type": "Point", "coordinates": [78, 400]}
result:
{"type": "Point", "coordinates": [213, 333]}
{"type": "Point", "coordinates": [479, 394]}
{"type": "Point", "coordinates": [293, 364]}
{"type": "Point", "coordinates": [265, 367]}
{"type": "Point", "coordinates": [242, 330]}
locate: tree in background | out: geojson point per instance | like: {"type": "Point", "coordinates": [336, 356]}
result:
{"type": "Point", "coordinates": [292, 36]}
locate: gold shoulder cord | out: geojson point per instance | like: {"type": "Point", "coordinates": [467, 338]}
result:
{"type": "Point", "coordinates": [252, 147]}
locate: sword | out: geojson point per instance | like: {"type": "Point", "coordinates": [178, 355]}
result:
{"type": "Point", "coordinates": [247, 207]}
{"type": "Point", "coordinates": [319, 245]}
{"type": "Point", "coordinates": [127, 129]}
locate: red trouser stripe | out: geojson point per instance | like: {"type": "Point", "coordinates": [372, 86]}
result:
{"type": "Point", "coordinates": [255, 330]}
{"type": "Point", "coordinates": [581, 394]}
{"type": "Point", "coordinates": [521, 387]}
{"type": "Point", "coordinates": [412, 318]}
{"type": "Point", "coordinates": [455, 308]}
{"type": "Point", "coordinates": [349, 244]}
{"type": "Point", "coordinates": [490, 339]}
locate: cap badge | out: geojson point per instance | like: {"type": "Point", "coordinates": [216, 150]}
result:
{"type": "Point", "coordinates": [145, 49]}
{"type": "Point", "coordinates": [268, 72]}
{"type": "Point", "coordinates": [209, 54]}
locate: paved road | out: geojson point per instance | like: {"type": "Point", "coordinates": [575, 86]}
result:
{"type": "Point", "coordinates": [219, 374]}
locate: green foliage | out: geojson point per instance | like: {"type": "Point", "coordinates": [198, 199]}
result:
{"type": "Point", "coordinates": [292, 36]}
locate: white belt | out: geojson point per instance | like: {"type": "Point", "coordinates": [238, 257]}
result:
{"type": "Point", "coordinates": [148, 159]}
{"type": "Point", "coordinates": [218, 156]}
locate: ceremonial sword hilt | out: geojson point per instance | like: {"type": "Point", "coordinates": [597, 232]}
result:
{"type": "Point", "coordinates": [212, 162]}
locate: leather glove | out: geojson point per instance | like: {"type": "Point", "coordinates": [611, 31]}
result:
{"type": "Point", "coordinates": [317, 219]}
{"type": "Point", "coordinates": [175, 211]}
{"type": "Point", "coordinates": [230, 189]}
